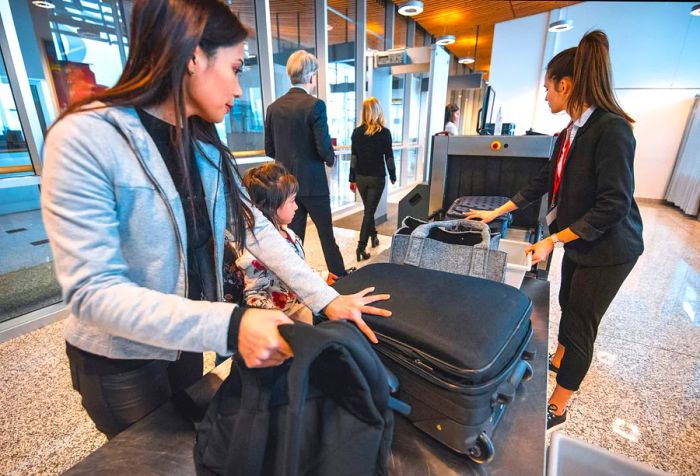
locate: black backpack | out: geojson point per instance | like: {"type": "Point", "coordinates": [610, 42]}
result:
{"type": "Point", "coordinates": [326, 411]}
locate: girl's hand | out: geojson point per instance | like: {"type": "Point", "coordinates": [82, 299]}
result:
{"type": "Point", "coordinates": [259, 342]}
{"type": "Point", "coordinates": [486, 216]}
{"type": "Point", "coordinates": [540, 250]}
{"type": "Point", "coordinates": [350, 307]}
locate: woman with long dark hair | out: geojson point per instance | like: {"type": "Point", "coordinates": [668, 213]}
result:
{"type": "Point", "coordinates": [371, 149]}
{"type": "Point", "coordinates": [592, 212]}
{"type": "Point", "coordinates": [137, 193]}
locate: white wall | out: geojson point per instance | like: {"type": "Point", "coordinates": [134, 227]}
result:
{"type": "Point", "coordinates": [655, 52]}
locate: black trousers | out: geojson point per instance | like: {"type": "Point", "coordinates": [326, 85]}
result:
{"type": "Point", "coordinates": [118, 393]}
{"type": "Point", "coordinates": [370, 189]}
{"type": "Point", "coordinates": [585, 294]}
{"type": "Point", "coordinates": [319, 208]}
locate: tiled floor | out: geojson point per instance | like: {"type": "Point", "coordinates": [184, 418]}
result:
{"type": "Point", "coordinates": [640, 399]}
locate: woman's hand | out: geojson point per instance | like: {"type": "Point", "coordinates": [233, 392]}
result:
{"type": "Point", "coordinates": [353, 187]}
{"type": "Point", "coordinates": [540, 250]}
{"type": "Point", "coordinates": [486, 216]}
{"type": "Point", "coordinates": [350, 307]}
{"type": "Point", "coordinates": [259, 341]}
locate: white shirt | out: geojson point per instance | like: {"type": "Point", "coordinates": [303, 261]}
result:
{"type": "Point", "coordinates": [451, 129]}
{"type": "Point", "coordinates": [579, 123]}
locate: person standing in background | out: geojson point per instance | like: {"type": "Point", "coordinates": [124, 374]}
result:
{"type": "Point", "coordinates": [371, 149]}
{"type": "Point", "coordinates": [296, 135]}
{"type": "Point", "coordinates": [451, 119]}
{"type": "Point", "coordinates": [592, 212]}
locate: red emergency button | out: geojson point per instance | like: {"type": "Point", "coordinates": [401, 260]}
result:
{"type": "Point", "coordinates": [496, 145]}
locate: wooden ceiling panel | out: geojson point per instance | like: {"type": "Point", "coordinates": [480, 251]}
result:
{"type": "Point", "coordinates": [461, 18]}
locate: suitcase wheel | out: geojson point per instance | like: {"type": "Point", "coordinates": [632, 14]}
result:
{"type": "Point", "coordinates": [482, 451]}
{"type": "Point", "coordinates": [528, 373]}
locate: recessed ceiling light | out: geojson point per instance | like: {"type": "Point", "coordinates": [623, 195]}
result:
{"type": "Point", "coordinates": [411, 8]}
{"type": "Point", "coordinates": [445, 40]}
{"type": "Point", "coordinates": [561, 25]}
{"type": "Point", "coordinates": [466, 60]}
{"type": "Point", "coordinates": [43, 4]}
{"type": "Point", "coordinates": [695, 11]}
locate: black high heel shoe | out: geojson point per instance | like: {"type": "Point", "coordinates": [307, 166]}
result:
{"type": "Point", "coordinates": [375, 241]}
{"type": "Point", "coordinates": [361, 254]}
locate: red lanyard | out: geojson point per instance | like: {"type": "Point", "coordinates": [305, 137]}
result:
{"type": "Point", "coordinates": [561, 162]}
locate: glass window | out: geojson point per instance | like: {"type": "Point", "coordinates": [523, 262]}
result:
{"type": "Point", "coordinates": [14, 156]}
{"type": "Point", "coordinates": [376, 14]}
{"type": "Point", "coordinates": [341, 69]}
{"type": "Point", "coordinates": [243, 128]}
{"type": "Point", "coordinates": [400, 30]}
{"type": "Point", "coordinates": [396, 111]}
{"type": "Point", "coordinates": [341, 100]}
{"type": "Point", "coordinates": [292, 23]}
{"type": "Point", "coordinates": [78, 48]}
{"type": "Point", "coordinates": [26, 272]}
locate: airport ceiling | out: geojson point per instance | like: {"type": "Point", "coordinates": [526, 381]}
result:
{"type": "Point", "coordinates": [462, 17]}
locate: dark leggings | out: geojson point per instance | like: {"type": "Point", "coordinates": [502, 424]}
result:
{"type": "Point", "coordinates": [118, 393]}
{"type": "Point", "coordinates": [584, 296]}
{"type": "Point", "coordinates": [371, 189]}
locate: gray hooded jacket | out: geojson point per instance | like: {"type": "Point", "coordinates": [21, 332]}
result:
{"type": "Point", "coordinates": [117, 231]}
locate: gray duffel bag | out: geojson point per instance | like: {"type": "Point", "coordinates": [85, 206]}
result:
{"type": "Point", "coordinates": [430, 246]}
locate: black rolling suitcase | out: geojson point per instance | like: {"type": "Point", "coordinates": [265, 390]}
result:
{"type": "Point", "coordinates": [465, 204]}
{"type": "Point", "coordinates": [458, 346]}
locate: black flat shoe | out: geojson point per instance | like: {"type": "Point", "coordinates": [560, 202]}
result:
{"type": "Point", "coordinates": [375, 241]}
{"type": "Point", "coordinates": [551, 366]}
{"type": "Point", "coordinates": [553, 419]}
{"type": "Point", "coordinates": [361, 255]}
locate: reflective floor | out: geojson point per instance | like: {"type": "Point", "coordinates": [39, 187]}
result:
{"type": "Point", "coordinates": [641, 398]}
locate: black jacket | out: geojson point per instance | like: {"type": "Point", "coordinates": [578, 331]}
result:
{"type": "Point", "coordinates": [596, 193]}
{"type": "Point", "coordinates": [369, 153]}
{"type": "Point", "coordinates": [296, 135]}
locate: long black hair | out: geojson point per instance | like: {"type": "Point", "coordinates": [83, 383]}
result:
{"type": "Point", "coordinates": [588, 66]}
{"type": "Point", "coordinates": [163, 37]}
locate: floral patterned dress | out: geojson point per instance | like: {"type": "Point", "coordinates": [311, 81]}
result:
{"type": "Point", "coordinates": [263, 289]}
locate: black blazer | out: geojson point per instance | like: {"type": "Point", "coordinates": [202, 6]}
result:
{"type": "Point", "coordinates": [296, 135]}
{"type": "Point", "coordinates": [596, 193]}
{"type": "Point", "coordinates": [369, 153]}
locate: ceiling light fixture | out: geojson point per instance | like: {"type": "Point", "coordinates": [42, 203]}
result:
{"type": "Point", "coordinates": [561, 25]}
{"type": "Point", "coordinates": [43, 4]}
{"type": "Point", "coordinates": [695, 11]}
{"type": "Point", "coordinates": [466, 60]}
{"type": "Point", "coordinates": [445, 40]}
{"type": "Point", "coordinates": [411, 8]}
{"type": "Point", "coordinates": [329, 27]}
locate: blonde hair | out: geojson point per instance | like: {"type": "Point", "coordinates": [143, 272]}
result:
{"type": "Point", "coordinates": [372, 116]}
{"type": "Point", "coordinates": [301, 65]}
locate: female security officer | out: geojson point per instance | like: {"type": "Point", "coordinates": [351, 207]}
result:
{"type": "Point", "coordinates": [592, 212]}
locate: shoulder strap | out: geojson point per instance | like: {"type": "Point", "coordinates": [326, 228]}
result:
{"type": "Point", "coordinates": [246, 452]}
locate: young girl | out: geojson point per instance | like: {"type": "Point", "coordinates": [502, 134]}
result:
{"type": "Point", "coordinates": [273, 191]}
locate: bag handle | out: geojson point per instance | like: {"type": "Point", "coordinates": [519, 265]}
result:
{"type": "Point", "coordinates": [416, 242]}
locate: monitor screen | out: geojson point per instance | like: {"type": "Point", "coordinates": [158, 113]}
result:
{"type": "Point", "coordinates": [486, 112]}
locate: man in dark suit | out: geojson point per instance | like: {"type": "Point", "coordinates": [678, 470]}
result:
{"type": "Point", "coordinates": [296, 135]}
